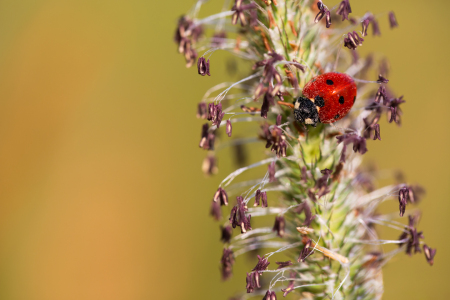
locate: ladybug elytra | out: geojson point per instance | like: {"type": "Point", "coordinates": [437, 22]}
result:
{"type": "Point", "coordinates": [326, 99]}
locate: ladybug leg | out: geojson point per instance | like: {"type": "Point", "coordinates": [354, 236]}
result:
{"type": "Point", "coordinates": [304, 126]}
{"type": "Point", "coordinates": [286, 104]}
{"type": "Point", "coordinates": [301, 128]}
{"type": "Point", "coordinates": [305, 111]}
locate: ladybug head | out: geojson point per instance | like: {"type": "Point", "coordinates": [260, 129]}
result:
{"type": "Point", "coordinates": [305, 111]}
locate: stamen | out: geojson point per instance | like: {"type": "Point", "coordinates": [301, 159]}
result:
{"type": "Point", "coordinates": [208, 20]}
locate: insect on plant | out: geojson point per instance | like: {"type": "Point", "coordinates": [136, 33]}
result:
{"type": "Point", "coordinates": [314, 102]}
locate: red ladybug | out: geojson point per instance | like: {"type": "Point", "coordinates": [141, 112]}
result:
{"type": "Point", "coordinates": [326, 99]}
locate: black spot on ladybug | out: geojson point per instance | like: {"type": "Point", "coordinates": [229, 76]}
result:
{"type": "Point", "coordinates": [341, 99]}
{"type": "Point", "coordinates": [336, 116]}
{"type": "Point", "coordinates": [354, 99]}
{"type": "Point", "coordinates": [318, 101]}
{"type": "Point", "coordinates": [330, 82]}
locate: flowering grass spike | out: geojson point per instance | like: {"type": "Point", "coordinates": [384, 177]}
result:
{"type": "Point", "coordinates": [316, 206]}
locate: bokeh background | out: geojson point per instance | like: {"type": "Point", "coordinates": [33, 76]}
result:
{"type": "Point", "coordinates": [101, 190]}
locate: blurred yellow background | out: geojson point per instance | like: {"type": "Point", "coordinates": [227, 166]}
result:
{"type": "Point", "coordinates": [101, 191]}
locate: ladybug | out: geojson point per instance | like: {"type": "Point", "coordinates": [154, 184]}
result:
{"type": "Point", "coordinates": [326, 99]}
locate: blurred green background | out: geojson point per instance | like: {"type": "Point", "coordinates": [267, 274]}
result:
{"type": "Point", "coordinates": [101, 190]}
